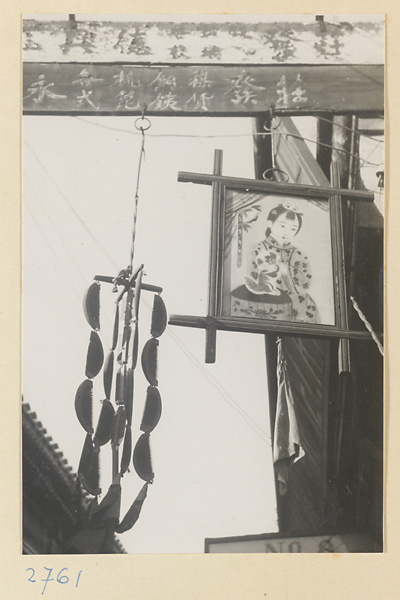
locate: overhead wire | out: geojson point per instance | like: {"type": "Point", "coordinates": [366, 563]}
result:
{"type": "Point", "coordinates": [351, 129]}
{"type": "Point", "coordinates": [214, 382]}
{"type": "Point", "coordinates": [51, 248]}
{"type": "Point", "coordinates": [64, 244]}
{"type": "Point", "coordinates": [56, 256]}
{"type": "Point", "coordinates": [73, 210]}
{"type": "Point", "coordinates": [252, 135]}
{"type": "Point", "coordinates": [221, 390]}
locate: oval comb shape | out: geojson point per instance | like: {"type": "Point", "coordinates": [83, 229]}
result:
{"type": "Point", "coordinates": [134, 511]}
{"type": "Point", "coordinates": [127, 450]}
{"type": "Point", "coordinates": [89, 468]}
{"type": "Point", "coordinates": [95, 356]}
{"type": "Point", "coordinates": [108, 374]}
{"type": "Point", "coordinates": [105, 424]}
{"type": "Point", "coordinates": [83, 405]}
{"type": "Point", "coordinates": [120, 385]}
{"type": "Point", "coordinates": [159, 317]}
{"type": "Point", "coordinates": [128, 395]}
{"type": "Point", "coordinates": [152, 410]}
{"type": "Point", "coordinates": [116, 328]}
{"type": "Point", "coordinates": [118, 426]}
{"type": "Point", "coordinates": [142, 458]}
{"type": "Point", "coordinates": [149, 361]}
{"type": "Point", "coordinates": [91, 306]}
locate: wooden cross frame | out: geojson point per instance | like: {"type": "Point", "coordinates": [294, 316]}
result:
{"type": "Point", "coordinates": [231, 199]}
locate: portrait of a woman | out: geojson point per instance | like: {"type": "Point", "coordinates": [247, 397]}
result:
{"type": "Point", "coordinates": [279, 278]}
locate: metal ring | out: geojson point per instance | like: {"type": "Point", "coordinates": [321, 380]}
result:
{"type": "Point", "coordinates": [275, 170]}
{"type": "Point", "coordinates": [272, 128]}
{"type": "Point", "coordinates": [142, 127]}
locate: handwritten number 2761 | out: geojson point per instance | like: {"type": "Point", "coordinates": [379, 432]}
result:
{"type": "Point", "coordinates": [62, 577]}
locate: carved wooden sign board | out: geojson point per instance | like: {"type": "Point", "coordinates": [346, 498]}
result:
{"type": "Point", "coordinates": [276, 259]}
{"type": "Point", "coordinates": [102, 89]}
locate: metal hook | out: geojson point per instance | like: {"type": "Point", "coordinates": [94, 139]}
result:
{"type": "Point", "coordinates": [146, 123]}
{"type": "Point", "coordinates": [273, 127]}
{"type": "Point", "coordinates": [268, 175]}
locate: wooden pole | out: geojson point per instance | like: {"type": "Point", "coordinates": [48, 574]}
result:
{"type": "Point", "coordinates": [214, 276]}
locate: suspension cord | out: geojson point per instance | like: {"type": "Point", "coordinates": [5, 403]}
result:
{"type": "Point", "coordinates": [367, 324]}
{"type": "Point", "coordinates": [142, 124]}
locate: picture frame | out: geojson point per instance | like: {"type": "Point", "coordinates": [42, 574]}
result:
{"type": "Point", "coordinates": [232, 196]}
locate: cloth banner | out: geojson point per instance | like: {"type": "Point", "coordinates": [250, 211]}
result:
{"type": "Point", "coordinates": [287, 447]}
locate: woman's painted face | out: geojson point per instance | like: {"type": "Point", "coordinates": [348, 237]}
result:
{"type": "Point", "coordinates": [284, 229]}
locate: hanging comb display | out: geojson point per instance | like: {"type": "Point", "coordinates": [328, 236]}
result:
{"type": "Point", "coordinates": [114, 424]}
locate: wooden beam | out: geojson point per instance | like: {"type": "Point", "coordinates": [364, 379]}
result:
{"type": "Point", "coordinates": [213, 300]}
{"type": "Point", "coordinates": [254, 326]}
{"type": "Point", "coordinates": [259, 185]}
{"type": "Point", "coordinates": [179, 90]}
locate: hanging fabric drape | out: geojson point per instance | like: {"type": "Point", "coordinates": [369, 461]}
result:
{"type": "Point", "coordinates": [287, 442]}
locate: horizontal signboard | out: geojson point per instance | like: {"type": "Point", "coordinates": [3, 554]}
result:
{"type": "Point", "coordinates": [78, 88]}
{"type": "Point", "coordinates": [256, 39]}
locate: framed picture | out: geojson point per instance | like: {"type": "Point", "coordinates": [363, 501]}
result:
{"type": "Point", "coordinates": [278, 258]}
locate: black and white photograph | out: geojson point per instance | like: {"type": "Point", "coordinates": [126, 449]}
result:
{"type": "Point", "coordinates": [202, 284]}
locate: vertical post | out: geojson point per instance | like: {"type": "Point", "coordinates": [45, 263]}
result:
{"type": "Point", "coordinates": [324, 136]}
{"type": "Point", "coordinates": [352, 207]}
{"type": "Point", "coordinates": [215, 266]}
{"type": "Point", "coordinates": [344, 348]}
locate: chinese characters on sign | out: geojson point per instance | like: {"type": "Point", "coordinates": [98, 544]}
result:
{"type": "Point", "coordinates": [243, 90]}
{"type": "Point", "coordinates": [127, 86]}
{"type": "Point", "coordinates": [290, 94]}
{"type": "Point", "coordinates": [173, 89]}
{"type": "Point", "coordinates": [165, 87]}
{"type": "Point", "coordinates": [87, 82]}
{"type": "Point", "coordinates": [39, 90]}
{"type": "Point", "coordinates": [199, 83]}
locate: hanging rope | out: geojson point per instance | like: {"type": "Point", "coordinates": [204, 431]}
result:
{"type": "Point", "coordinates": [367, 324]}
{"type": "Point", "coordinates": [274, 174]}
{"type": "Point", "coordinates": [142, 124]}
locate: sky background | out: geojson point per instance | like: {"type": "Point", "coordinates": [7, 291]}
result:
{"type": "Point", "coordinates": [211, 451]}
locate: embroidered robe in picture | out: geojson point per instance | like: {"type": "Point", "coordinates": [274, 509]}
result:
{"type": "Point", "coordinates": [277, 285]}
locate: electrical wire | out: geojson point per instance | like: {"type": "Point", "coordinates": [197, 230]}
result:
{"type": "Point", "coordinates": [74, 212]}
{"type": "Point", "coordinates": [64, 244]}
{"type": "Point", "coordinates": [356, 156]}
{"type": "Point", "coordinates": [252, 135]}
{"type": "Point", "coordinates": [173, 135]}
{"type": "Point", "coordinates": [222, 391]}
{"type": "Point", "coordinates": [52, 251]}
{"type": "Point", "coordinates": [351, 129]}
{"type": "Point", "coordinates": [214, 382]}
